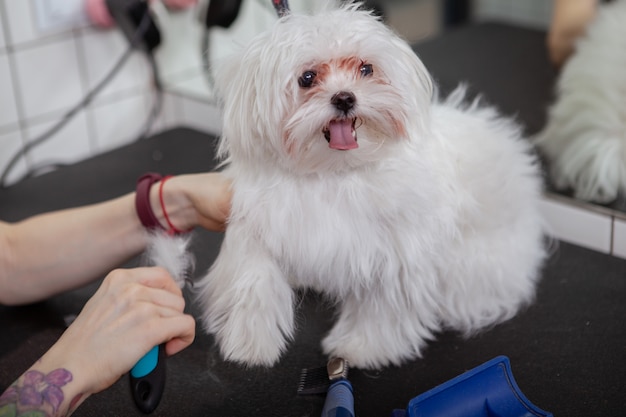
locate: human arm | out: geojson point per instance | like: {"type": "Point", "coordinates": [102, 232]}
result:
{"type": "Point", "coordinates": [132, 311]}
{"type": "Point", "coordinates": [569, 21]}
{"type": "Point", "coordinates": [54, 252]}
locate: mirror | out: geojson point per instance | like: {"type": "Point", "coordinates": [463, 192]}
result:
{"type": "Point", "coordinates": [584, 139]}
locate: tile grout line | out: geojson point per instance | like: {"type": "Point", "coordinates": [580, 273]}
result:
{"type": "Point", "coordinates": [19, 105]}
{"type": "Point", "coordinates": [87, 109]}
{"type": "Point", "coordinates": [57, 114]}
{"type": "Point", "coordinates": [8, 41]}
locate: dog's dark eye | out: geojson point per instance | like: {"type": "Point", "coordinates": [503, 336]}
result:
{"type": "Point", "coordinates": [307, 78]}
{"type": "Point", "coordinates": [366, 70]}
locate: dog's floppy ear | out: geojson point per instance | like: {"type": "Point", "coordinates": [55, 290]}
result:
{"type": "Point", "coordinates": [235, 90]}
{"type": "Point", "coordinates": [242, 82]}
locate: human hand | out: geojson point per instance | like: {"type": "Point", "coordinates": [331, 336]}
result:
{"type": "Point", "coordinates": [195, 200]}
{"type": "Point", "coordinates": [569, 22]}
{"type": "Point", "coordinates": [132, 311]}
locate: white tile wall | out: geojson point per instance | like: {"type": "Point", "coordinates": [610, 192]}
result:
{"type": "Point", "coordinates": [200, 114]}
{"type": "Point", "coordinates": [102, 50]}
{"type": "Point", "coordinates": [180, 54]}
{"type": "Point", "coordinates": [45, 73]}
{"type": "Point", "coordinates": [619, 238]}
{"type": "Point", "coordinates": [194, 85]}
{"type": "Point", "coordinates": [2, 28]}
{"type": "Point", "coordinates": [48, 77]}
{"type": "Point", "coordinates": [21, 21]}
{"type": "Point", "coordinates": [171, 114]}
{"type": "Point", "coordinates": [10, 143]}
{"type": "Point", "coordinates": [180, 49]}
{"type": "Point", "coordinates": [8, 110]}
{"type": "Point", "coordinates": [119, 122]}
{"type": "Point", "coordinates": [71, 144]}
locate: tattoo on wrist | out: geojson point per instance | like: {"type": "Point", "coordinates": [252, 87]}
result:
{"type": "Point", "coordinates": [35, 394]}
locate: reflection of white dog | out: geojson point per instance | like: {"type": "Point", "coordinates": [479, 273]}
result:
{"type": "Point", "coordinates": [412, 216]}
{"type": "Point", "coordinates": [585, 138]}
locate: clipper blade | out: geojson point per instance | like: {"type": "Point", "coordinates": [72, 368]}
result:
{"type": "Point", "coordinates": [317, 380]}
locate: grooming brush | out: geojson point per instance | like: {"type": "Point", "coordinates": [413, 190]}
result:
{"type": "Point", "coordinates": [147, 377]}
{"type": "Point", "coordinates": [147, 380]}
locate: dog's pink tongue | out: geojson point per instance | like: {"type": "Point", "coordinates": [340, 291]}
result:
{"type": "Point", "coordinates": [341, 137]}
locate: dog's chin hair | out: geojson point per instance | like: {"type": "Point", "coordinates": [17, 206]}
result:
{"type": "Point", "coordinates": [377, 129]}
{"type": "Point", "coordinates": [314, 156]}
{"type": "Point", "coordinates": [432, 222]}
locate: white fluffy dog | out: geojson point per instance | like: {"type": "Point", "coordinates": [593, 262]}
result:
{"type": "Point", "coordinates": [585, 138]}
{"type": "Point", "coordinates": [412, 215]}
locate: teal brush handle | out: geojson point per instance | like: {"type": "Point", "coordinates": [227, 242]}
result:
{"type": "Point", "coordinates": [147, 379]}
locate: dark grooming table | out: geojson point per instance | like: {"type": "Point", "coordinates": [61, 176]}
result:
{"type": "Point", "coordinates": [567, 350]}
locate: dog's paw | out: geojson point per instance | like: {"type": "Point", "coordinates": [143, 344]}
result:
{"type": "Point", "coordinates": [250, 330]}
{"type": "Point", "coordinates": [355, 351]}
{"type": "Point", "coordinates": [251, 342]}
{"type": "Point", "coordinates": [363, 351]}
{"type": "Point", "coordinates": [247, 305]}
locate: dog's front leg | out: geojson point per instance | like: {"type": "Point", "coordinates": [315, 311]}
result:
{"type": "Point", "coordinates": [377, 329]}
{"type": "Point", "coordinates": [247, 302]}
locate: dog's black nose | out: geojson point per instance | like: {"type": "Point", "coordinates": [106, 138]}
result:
{"type": "Point", "coordinates": [343, 101]}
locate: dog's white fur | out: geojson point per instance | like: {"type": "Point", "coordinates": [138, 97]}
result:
{"type": "Point", "coordinates": [585, 137]}
{"type": "Point", "coordinates": [431, 223]}
{"type": "Point", "coordinates": [171, 253]}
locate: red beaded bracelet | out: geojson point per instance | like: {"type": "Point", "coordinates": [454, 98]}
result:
{"type": "Point", "coordinates": [143, 206]}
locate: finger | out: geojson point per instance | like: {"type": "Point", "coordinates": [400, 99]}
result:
{"type": "Point", "coordinates": [156, 277]}
{"type": "Point", "coordinates": [129, 295]}
{"type": "Point", "coordinates": [176, 345]}
{"type": "Point", "coordinates": [152, 325]}
{"type": "Point", "coordinates": [148, 316]}
{"type": "Point", "coordinates": [152, 276]}
{"type": "Point", "coordinates": [180, 332]}
{"type": "Point", "coordinates": [163, 298]}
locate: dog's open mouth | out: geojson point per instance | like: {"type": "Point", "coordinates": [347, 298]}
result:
{"type": "Point", "coordinates": [341, 134]}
